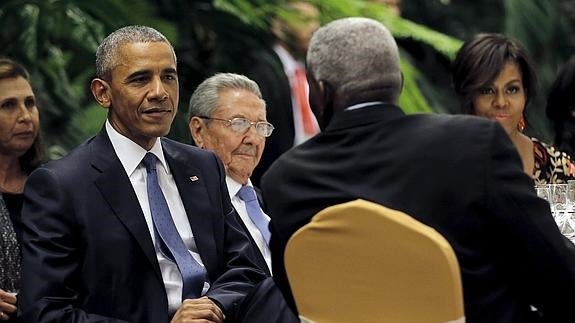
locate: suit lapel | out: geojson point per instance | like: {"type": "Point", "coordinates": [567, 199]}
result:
{"type": "Point", "coordinates": [115, 186]}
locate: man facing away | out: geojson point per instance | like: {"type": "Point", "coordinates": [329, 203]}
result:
{"type": "Point", "coordinates": [132, 227]}
{"type": "Point", "coordinates": [458, 174]}
{"type": "Point", "coordinates": [228, 116]}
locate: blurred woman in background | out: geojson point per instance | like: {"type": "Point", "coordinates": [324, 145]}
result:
{"type": "Point", "coordinates": [21, 151]}
{"type": "Point", "coordinates": [495, 79]}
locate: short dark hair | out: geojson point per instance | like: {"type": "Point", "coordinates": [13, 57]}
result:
{"type": "Point", "coordinates": [35, 155]}
{"type": "Point", "coordinates": [480, 60]}
{"type": "Point", "coordinates": [107, 52]}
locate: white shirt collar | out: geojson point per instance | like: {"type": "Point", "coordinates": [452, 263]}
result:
{"type": "Point", "coordinates": [130, 153]}
{"type": "Point", "coordinates": [363, 105]}
{"type": "Point", "coordinates": [234, 187]}
{"type": "Point", "coordinates": [288, 61]}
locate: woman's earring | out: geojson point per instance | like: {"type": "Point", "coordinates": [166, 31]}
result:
{"type": "Point", "coordinates": [521, 124]}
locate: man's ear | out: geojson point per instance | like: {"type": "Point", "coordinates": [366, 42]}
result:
{"type": "Point", "coordinates": [321, 100]}
{"type": "Point", "coordinates": [326, 92]}
{"type": "Point", "coordinates": [315, 97]}
{"type": "Point", "coordinates": [196, 127]}
{"type": "Point", "coordinates": [101, 92]}
{"type": "Point", "coordinates": [328, 98]}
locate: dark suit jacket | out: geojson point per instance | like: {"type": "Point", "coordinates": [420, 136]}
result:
{"type": "Point", "coordinates": [267, 71]}
{"type": "Point", "coordinates": [458, 174]}
{"type": "Point", "coordinates": [88, 254]}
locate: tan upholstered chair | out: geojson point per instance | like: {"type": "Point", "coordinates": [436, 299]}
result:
{"type": "Point", "coordinates": [362, 262]}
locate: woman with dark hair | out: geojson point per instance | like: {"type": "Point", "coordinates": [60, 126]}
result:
{"type": "Point", "coordinates": [21, 151]}
{"type": "Point", "coordinates": [494, 78]}
{"type": "Point", "coordinates": [561, 107]}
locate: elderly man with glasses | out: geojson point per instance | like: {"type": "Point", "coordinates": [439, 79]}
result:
{"type": "Point", "coordinates": [228, 115]}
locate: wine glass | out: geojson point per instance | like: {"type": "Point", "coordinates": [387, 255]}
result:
{"type": "Point", "coordinates": [543, 192]}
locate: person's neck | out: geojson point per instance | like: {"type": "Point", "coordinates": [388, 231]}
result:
{"type": "Point", "coordinates": [517, 138]}
{"type": "Point", "coordinates": [524, 147]}
{"type": "Point", "coordinates": [12, 177]}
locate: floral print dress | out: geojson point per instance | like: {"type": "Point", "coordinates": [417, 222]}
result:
{"type": "Point", "coordinates": [552, 166]}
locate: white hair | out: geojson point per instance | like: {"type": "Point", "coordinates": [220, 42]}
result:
{"type": "Point", "coordinates": [355, 54]}
{"type": "Point", "coordinates": [205, 98]}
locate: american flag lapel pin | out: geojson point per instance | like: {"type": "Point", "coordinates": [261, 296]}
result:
{"type": "Point", "coordinates": [194, 178]}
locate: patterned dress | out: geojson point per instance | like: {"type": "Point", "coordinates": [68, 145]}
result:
{"type": "Point", "coordinates": [552, 166]}
{"type": "Point", "coordinates": [9, 251]}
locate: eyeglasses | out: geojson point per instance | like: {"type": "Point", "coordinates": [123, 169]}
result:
{"type": "Point", "coordinates": [241, 125]}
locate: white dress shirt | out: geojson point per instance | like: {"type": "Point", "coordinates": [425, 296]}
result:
{"type": "Point", "coordinates": [131, 155]}
{"type": "Point", "coordinates": [240, 206]}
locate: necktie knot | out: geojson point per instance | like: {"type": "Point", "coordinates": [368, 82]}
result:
{"type": "Point", "coordinates": [247, 193]}
{"type": "Point", "coordinates": [150, 162]}
{"type": "Point", "coordinates": [300, 72]}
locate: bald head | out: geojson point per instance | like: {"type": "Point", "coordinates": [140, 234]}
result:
{"type": "Point", "coordinates": [355, 56]}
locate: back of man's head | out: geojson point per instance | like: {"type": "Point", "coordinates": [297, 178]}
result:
{"type": "Point", "coordinates": [354, 56]}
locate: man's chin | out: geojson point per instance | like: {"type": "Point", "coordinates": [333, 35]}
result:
{"type": "Point", "coordinates": [240, 174]}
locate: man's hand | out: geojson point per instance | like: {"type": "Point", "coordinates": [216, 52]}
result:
{"type": "Point", "coordinates": [7, 305]}
{"type": "Point", "coordinates": [198, 310]}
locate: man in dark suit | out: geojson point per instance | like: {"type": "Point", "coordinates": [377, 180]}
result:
{"type": "Point", "coordinates": [458, 174]}
{"type": "Point", "coordinates": [97, 240]}
{"type": "Point", "coordinates": [228, 116]}
{"type": "Point", "coordinates": [280, 73]}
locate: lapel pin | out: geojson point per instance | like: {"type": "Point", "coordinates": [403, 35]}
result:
{"type": "Point", "coordinates": [194, 178]}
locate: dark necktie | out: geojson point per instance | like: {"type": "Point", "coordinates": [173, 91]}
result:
{"type": "Point", "coordinates": [248, 195]}
{"type": "Point", "coordinates": [9, 252]}
{"type": "Point", "coordinates": [168, 238]}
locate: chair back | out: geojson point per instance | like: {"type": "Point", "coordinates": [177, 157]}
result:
{"type": "Point", "coordinates": [362, 262]}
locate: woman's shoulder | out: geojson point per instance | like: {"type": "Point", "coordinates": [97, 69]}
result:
{"type": "Point", "coordinates": [545, 150]}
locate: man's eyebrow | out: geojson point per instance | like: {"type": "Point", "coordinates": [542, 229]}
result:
{"type": "Point", "coordinates": [170, 70]}
{"type": "Point", "coordinates": [137, 74]}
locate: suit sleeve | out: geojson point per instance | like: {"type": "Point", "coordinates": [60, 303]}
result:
{"type": "Point", "coordinates": [240, 273]}
{"type": "Point", "coordinates": [51, 254]}
{"type": "Point", "coordinates": [540, 258]}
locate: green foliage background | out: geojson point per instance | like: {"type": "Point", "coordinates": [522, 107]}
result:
{"type": "Point", "coordinates": [56, 40]}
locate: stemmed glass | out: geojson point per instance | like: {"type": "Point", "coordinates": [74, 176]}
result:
{"type": "Point", "coordinates": [571, 195]}
{"type": "Point", "coordinates": [558, 196]}
{"type": "Point", "coordinates": [561, 198]}
{"type": "Point", "coordinates": [543, 192]}
{"type": "Point", "coordinates": [569, 230]}
{"type": "Point", "coordinates": [559, 205]}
